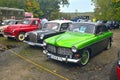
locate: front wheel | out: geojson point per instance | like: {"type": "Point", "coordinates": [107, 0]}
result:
{"type": "Point", "coordinates": [21, 36]}
{"type": "Point", "coordinates": [85, 56]}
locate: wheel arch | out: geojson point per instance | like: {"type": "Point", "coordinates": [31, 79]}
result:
{"type": "Point", "coordinates": [21, 32]}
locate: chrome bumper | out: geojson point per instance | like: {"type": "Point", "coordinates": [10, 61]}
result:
{"type": "Point", "coordinates": [51, 56]}
{"type": "Point", "coordinates": [33, 44]}
{"type": "Point", "coordinates": [8, 36]}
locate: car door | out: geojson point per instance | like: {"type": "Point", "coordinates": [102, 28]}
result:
{"type": "Point", "coordinates": [101, 40]}
{"type": "Point", "coordinates": [34, 25]}
{"type": "Point", "coordinates": [102, 37]}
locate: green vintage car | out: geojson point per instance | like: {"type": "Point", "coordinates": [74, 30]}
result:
{"type": "Point", "coordinates": [81, 42]}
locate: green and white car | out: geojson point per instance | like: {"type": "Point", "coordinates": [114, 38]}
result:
{"type": "Point", "coordinates": [79, 43]}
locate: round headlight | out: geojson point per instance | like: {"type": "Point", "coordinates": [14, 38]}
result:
{"type": "Point", "coordinates": [41, 36]}
{"type": "Point", "coordinates": [44, 43]}
{"type": "Point", "coordinates": [74, 49]}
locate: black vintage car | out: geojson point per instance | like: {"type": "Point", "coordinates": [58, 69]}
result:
{"type": "Point", "coordinates": [51, 28]}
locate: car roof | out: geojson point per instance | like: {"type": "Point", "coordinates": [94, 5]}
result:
{"type": "Point", "coordinates": [93, 23]}
{"type": "Point", "coordinates": [32, 19]}
{"type": "Point", "coordinates": [60, 21]}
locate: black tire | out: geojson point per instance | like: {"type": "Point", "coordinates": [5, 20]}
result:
{"type": "Point", "coordinates": [85, 57]}
{"type": "Point", "coordinates": [108, 45]}
{"type": "Point", "coordinates": [21, 36]}
{"type": "Point", "coordinates": [113, 74]}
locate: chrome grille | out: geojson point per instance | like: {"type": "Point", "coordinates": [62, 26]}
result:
{"type": "Point", "coordinates": [64, 51]}
{"type": "Point", "coordinates": [33, 37]}
{"type": "Point", "coordinates": [59, 50]}
{"type": "Point", "coordinates": [51, 48]}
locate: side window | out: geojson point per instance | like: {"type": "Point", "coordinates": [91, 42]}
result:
{"type": "Point", "coordinates": [35, 22]}
{"type": "Point", "coordinates": [101, 29]}
{"type": "Point", "coordinates": [64, 26]}
{"type": "Point", "coordinates": [98, 29]}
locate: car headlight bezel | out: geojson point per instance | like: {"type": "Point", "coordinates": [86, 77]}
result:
{"type": "Point", "coordinates": [41, 36]}
{"type": "Point", "coordinates": [74, 49]}
{"type": "Point", "coordinates": [44, 43]}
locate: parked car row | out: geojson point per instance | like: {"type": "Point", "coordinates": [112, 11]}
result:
{"type": "Point", "coordinates": [63, 40]}
{"type": "Point", "coordinates": [110, 24]}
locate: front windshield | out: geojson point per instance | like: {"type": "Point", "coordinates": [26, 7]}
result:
{"type": "Point", "coordinates": [51, 26]}
{"type": "Point", "coordinates": [26, 22]}
{"type": "Point", "coordinates": [83, 28]}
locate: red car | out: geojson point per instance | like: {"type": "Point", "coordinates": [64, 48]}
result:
{"type": "Point", "coordinates": [118, 66]}
{"type": "Point", "coordinates": [18, 31]}
{"type": "Point", "coordinates": [115, 73]}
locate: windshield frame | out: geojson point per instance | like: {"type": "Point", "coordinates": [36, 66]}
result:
{"type": "Point", "coordinates": [26, 22]}
{"type": "Point", "coordinates": [82, 28]}
{"type": "Point", "coordinates": [51, 26]}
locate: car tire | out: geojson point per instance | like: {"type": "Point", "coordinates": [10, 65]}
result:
{"type": "Point", "coordinates": [85, 57]}
{"type": "Point", "coordinates": [108, 45]}
{"type": "Point", "coordinates": [21, 36]}
{"type": "Point", "coordinates": [113, 74]}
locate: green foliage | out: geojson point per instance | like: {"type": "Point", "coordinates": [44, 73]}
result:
{"type": "Point", "coordinates": [13, 3]}
{"type": "Point", "coordinates": [33, 6]}
{"type": "Point", "coordinates": [107, 10]}
{"type": "Point", "coordinates": [50, 8]}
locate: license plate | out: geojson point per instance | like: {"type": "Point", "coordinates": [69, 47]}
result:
{"type": "Point", "coordinates": [55, 57]}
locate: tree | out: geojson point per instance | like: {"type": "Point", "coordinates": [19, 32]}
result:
{"type": "Point", "coordinates": [13, 3]}
{"type": "Point", "coordinates": [107, 10]}
{"type": "Point", "coordinates": [51, 8]}
{"type": "Point", "coordinates": [34, 7]}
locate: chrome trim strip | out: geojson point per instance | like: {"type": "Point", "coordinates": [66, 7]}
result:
{"type": "Point", "coordinates": [33, 44]}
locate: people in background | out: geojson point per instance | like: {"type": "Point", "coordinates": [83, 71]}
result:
{"type": "Point", "coordinates": [43, 21]}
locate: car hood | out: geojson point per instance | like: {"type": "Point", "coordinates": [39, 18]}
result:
{"type": "Point", "coordinates": [18, 25]}
{"type": "Point", "coordinates": [15, 26]}
{"type": "Point", "coordinates": [69, 39]}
